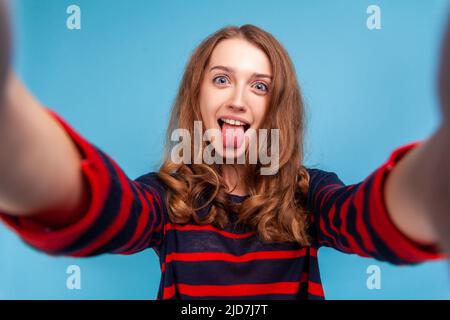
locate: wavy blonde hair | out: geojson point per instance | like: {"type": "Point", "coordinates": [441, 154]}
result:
{"type": "Point", "coordinates": [276, 206]}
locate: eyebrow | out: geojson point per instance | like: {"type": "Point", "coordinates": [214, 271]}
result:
{"type": "Point", "coordinates": [230, 70]}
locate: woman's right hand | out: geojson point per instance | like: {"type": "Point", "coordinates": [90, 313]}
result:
{"type": "Point", "coordinates": [34, 151]}
{"type": "Point", "coordinates": [5, 45]}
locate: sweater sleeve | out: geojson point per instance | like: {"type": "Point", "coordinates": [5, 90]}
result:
{"type": "Point", "coordinates": [124, 216]}
{"type": "Point", "coordinates": [354, 218]}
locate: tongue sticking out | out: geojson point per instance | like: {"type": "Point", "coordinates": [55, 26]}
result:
{"type": "Point", "coordinates": [232, 136]}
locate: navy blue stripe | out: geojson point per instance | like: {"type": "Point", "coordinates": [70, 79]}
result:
{"type": "Point", "coordinates": [351, 228]}
{"type": "Point", "coordinates": [383, 252]}
{"type": "Point", "coordinates": [324, 213]}
{"type": "Point", "coordinates": [210, 241]}
{"type": "Point", "coordinates": [127, 231]}
{"type": "Point", "coordinates": [155, 187]}
{"type": "Point", "coordinates": [229, 273]}
{"type": "Point", "coordinates": [337, 198]}
{"type": "Point", "coordinates": [147, 232]}
{"type": "Point", "coordinates": [315, 199]}
{"type": "Point", "coordinates": [152, 238]}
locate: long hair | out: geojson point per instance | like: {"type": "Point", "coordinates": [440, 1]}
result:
{"type": "Point", "coordinates": [276, 206]}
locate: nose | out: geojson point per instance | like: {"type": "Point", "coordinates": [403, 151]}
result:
{"type": "Point", "coordinates": [237, 103]}
{"type": "Point", "coordinates": [237, 108]}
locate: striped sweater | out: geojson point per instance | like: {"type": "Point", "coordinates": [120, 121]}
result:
{"type": "Point", "coordinates": [126, 216]}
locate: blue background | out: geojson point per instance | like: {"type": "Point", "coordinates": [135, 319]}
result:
{"type": "Point", "coordinates": [367, 92]}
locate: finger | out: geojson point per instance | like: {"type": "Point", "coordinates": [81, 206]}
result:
{"type": "Point", "coordinates": [5, 44]}
{"type": "Point", "coordinates": [444, 74]}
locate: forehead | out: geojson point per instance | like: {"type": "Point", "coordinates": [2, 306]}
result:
{"type": "Point", "coordinates": [240, 55]}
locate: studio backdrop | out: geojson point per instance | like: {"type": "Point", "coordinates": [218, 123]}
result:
{"type": "Point", "coordinates": [367, 71]}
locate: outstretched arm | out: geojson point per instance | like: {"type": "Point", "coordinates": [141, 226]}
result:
{"type": "Point", "coordinates": [401, 212]}
{"type": "Point", "coordinates": [59, 192]}
{"type": "Point", "coordinates": [417, 190]}
{"type": "Point", "coordinates": [33, 147]}
{"type": "Point", "coordinates": [39, 163]}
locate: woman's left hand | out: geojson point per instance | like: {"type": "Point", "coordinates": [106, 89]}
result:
{"type": "Point", "coordinates": [444, 76]}
{"type": "Point", "coordinates": [5, 50]}
{"type": "Point", "coordinates": [438, 187]}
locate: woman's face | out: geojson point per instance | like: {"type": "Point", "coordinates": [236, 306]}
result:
{"type": "Point", "coordinates": [236, 87]}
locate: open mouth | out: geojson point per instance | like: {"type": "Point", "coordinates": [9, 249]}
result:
{"type": "Point", "coordinates": [233, 123]}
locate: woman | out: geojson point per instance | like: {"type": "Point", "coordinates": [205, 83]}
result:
{"type": "Point", "coordinates": [220, 230]}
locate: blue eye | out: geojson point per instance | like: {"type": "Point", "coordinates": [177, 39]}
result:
{"type": "Point", "coordinates": [264, 86]}
{"type": "Point", "coordinates": [220, 77]}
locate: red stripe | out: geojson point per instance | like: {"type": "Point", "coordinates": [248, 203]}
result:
{"type": "Point", "coordinates": [330, 216]}
{"type": "Point", "coordinates": [221, 256]}
{"type": "Point", "coordinates": [304, 277]}
{"type": "Point", "coordinates": [188, 227]}
{"type": "Point", "coordinates": [168, 292]}
{"type": "Point", "coordinates": [328, 194]}
{"type": "Point", "coordinates": [236, 290]}
{"type": "Point", "coordinates": [317, 195]}
{"type": "Point", "coordinates": [315, 288]}
{"type": "Point", "coordinates": [337, 243]}
{"type": "Point", "coordinates": [244, 289]}
{"type": "Point", "coordinates": [354, 246]}
{"type": "Point", "coordinates": [333, 186]}
{"type": "Point", "coordinates": [313, 252]}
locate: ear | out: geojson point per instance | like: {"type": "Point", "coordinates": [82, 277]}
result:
{"type": "Point", "coordinates": [444, 75]}
{"type": "Point", "coordinates": [5, 44]}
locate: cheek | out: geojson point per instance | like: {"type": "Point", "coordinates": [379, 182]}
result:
{"type": "Point", "coordinates": [211, 100]}
{"type": "Point", "coordinates": [260, 110]}
{"type": "Point", "coordinates": [208, 108]}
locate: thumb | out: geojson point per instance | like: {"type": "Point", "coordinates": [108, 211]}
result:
{"type": "Point", "coordinates": [5, 45]}
{"type": "Point", "coordinates": [444, 75]}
